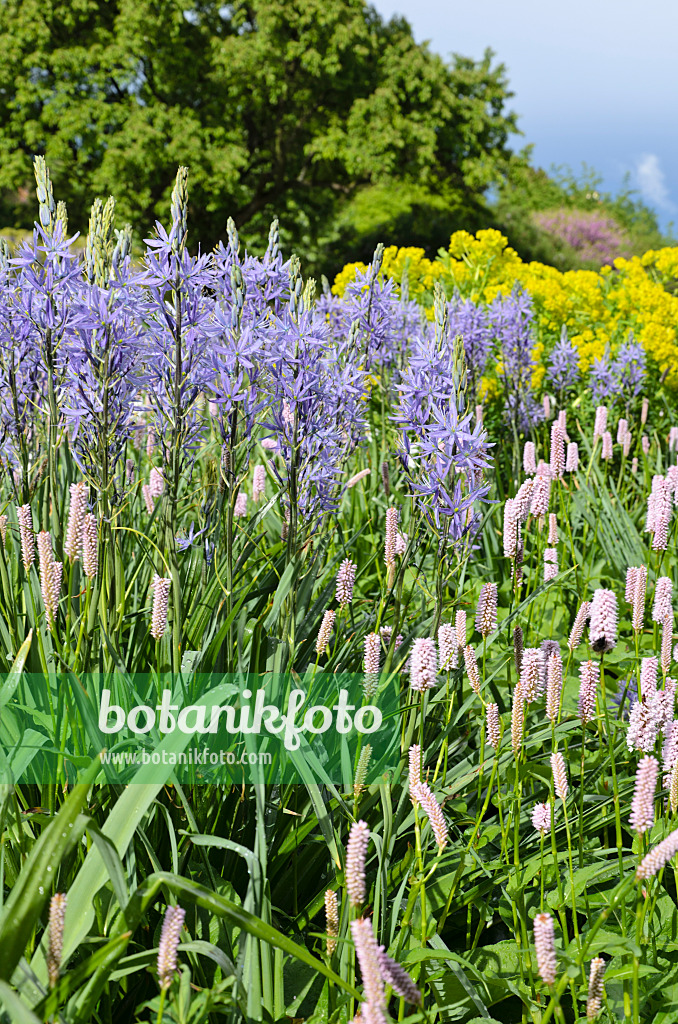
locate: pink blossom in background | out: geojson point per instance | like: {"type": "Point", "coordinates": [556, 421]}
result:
{"type": "Point", "coordinates": [594, 237]}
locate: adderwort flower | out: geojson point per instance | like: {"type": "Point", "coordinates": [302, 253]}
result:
{"type": "Point", "coordinates": [545, 947]}
{"type": "Point", "coordinates": [168, 946]}
{"type": "Point", "coordinates": [356, 852]}
{"type": "Point", "coordinates": [331, 920]}
{"type": "Point", "coordinates": [642, 806]}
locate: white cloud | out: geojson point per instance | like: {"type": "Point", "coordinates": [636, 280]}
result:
{"type": "Point", "coordinates": [651, 182]}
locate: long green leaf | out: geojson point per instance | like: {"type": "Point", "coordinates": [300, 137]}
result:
{"type": "Point", "coordinates": [31, 891]}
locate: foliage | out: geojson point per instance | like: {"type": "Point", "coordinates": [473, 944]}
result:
{"type": "Point", "coordinates": [407, 214]}
{"type": "Point", "coordinates": [280, 108]}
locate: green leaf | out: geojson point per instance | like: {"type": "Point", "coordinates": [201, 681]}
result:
{"type": "Point", "coordinates": [216, 904]}
{"type": "Point", "coordinates": [14, 675]}
{"type": "Point", "coordinates": [32, 889]}
{"type": "Point", "coordinates": [20, 1013]}
{"type": "Point", "coordinates": [72, 979]}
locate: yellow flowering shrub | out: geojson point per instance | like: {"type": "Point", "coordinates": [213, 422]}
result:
{"type": "Point", "coordinates": [598, 308]}
{"type": "Point", "coordinates": [421, 272]}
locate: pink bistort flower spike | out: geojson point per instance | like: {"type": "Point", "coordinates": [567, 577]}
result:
{"type": "Point", "coordinates": [357, 477]}
{"type": "Point", "coordinates": [259, 483]}
{"type": "Point", "coordinates": [659, 857]}
{"type": "Point", "coordinates": [603, 626]}
{"type": "Point", "coordinates": [148, 498]}
{"type": "Point", "coordinates": [240, 507]}
{"type": "Point", "coordinates": [663, 593]}
{"type": "Point", "coordinates": [622, 430]}
{"type": "Point", "coordinates": [529, 458]}
{"type": "Point", "coordinates": [390, 535]}
{"type": "Point", "coordinates": [511, 528]}
{"type": "Point", "coordinates": [169, 944]}
{"type": "Point", "coordinates": [325, 632]}
{"type": "Point", "coordinates": [434, 814]}
{"type": "Point", "coordinates": [90, 545]}
{"type": "Point", "coordinates": [642, 806]}
{"type": "Point", "coordinates": [423, 665]}
{"type": "Point", "coordinates": [76, 513]}
{"type": "Point", "coordinates": [161, 588]}
{"type": "Point", "coordinates": [532, 674]}
{"type": "Point", "coordinates": [492, 721]}
{"type": "Point", "coordinates": [371, 665]}
{"type": "Point", "coordinates": [639, 589]}
{"type": "Point", "coordinates": [414, 776]}
{"type": "Point", "coordinates": [156, 483]}
{"type": "Point", "coordinates": [626, 444]}
{"type": "Point", "coordinates": [345, 582]}
{"type": "Point", "coordinates": [541, 495]}
{"type": "Point", "coordinates": [356, 852]}
{"type": "Point", "coordinates": [557, 454]}
{"type": "Point", "coordinates": [649, 668]}
{"type": "Point", "coordinates": [644, 411]}
{"type": "Point", "coordinates": [631, 575]}
{"type": "Point", "coordinates": [486, 609]}
{"type": "Point", "coordinates": [367, 953]}
{"type": "Point", "coordinates": [460, 628]}
{"type": "Point", "coordinates": [544, 944]}
{"type": "Point", "coordinates": [553, 529]}
{"type": "Point", "coordinates": [26, 535]}
{"type": "Point", "coordinates": [554, 685]}
{"type": "Point", "coordinates": [517, 719]}
{"type": "Point", "coordinates": [589, 674]}
{"type": "Point", "coordinates": [578, 625]}
{"type": "Point", "coordinates": [523, 500]}
{"type": "Point", "coordinates": [331, 920]}
{"type": "Point", "coordinates": [472, 668]}
{"type": "Point", "coordinates": [541, 817]}
{"type": "Point", "coordinates": [667, 643]}
{"type": "Point", "coordinates": [398, 978]}
{"type": "Point", "coordinates": [600, 425]}
{"type": "Point", "coordinates": [448, 652]}
{"type": "Point", "coordinates": [594, 997]}
{"type": "Point", "coordinates": [55, 936]}
{"type": "Point", "coordinates": [643, 726]}
{"type": "Point", "coordinates": [559, 771]}
{"type": "Point", "coordinates": [550, 564]}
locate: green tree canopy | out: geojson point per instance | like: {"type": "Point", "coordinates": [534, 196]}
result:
{"type": "Point", "coordinates": [279, 107]}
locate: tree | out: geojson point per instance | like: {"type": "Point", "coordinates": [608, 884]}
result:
{"type": "Point", "coordinates": [279, 107]}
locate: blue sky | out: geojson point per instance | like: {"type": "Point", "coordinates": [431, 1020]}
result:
{"type": "Point", "coordinates": [595, 82]}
